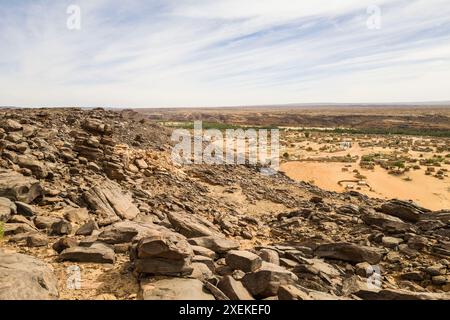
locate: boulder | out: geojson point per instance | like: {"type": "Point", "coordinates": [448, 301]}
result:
{"type": "Point", "coordinates": [163, 253]}
{"type": "Point", "coordinates": [108, 200]}
{"type": "Point", "coordinates": [348, 209]}
{"type": "Point", "coordinates": [7, 209]}
{"type": "Point", "coordinates": [391, 242]}
{"type": "Point", "coordinates": [20, 219]}
{"type": "Point", "coordinates": [120, 232]}
{"type": "Point", "coordinates": [17, 187]}
{"type": "Point", "coordinates": [24, 209]}
{"type": "Point", "coordinates": [87, 228]}
{"type": "Point", "coordinates": [401, 294]}
{"type": "Point", "coordinates": [190, 225]}
{"type": "Point", "coordinates": [61, 227]}
{"type": "Point", "coordinates": [360, 287]}
{"type": "Point", "coordinates": [37, 168]}
{"type": "Point", "coordinates": [201, 272]}
{"type": "Point", "coordinates": [161, 266]}
{"type": "Point", "coordinates": [90, 153]}
{"type": "Point", "coordinates": [243, 260]}
{"type": "Point", "coordinates": [23, 277]}
{"type": "Point", "coordinates": [404, 210]}
{"type": "Point", "coordinates": [97, 126]}
{"type": "Point", "coordinates": [349, 252]}
{"type": "Point", "coordinates": [10, 125]}
{"type": "Point", "coordinates": [174, 289]}
{"type": "Point", "coordinates": [292, 292]}
{"type": "Point", "coordinates": [141, 164]}
{"type": "Point", "coordinates": [441, 250]}
{"type": "Point", "coordinates": [270, 256]}
{"type": "Point", "coordinates": [206, 261]}
{"type": "Point", "coordinates": [205, 252]}
{"type": "Point", "coordinates": [96, 253]}
{"type": "Point", "coordinates": [216, 292]}
{"type": "Point", "coordinates": [234, 289]}
{"type": "Point", "coordinates": [17, 228]}
{"type": "Point", "coordinates": [114, 170]}
{"type": "Point", "coordinates": [37, 240]}
{"type": "Point", "coordinates": [441, 280]}
{"type": "Point", "coordinates": [43, 222]}
{"type": "Point", "coordinates": [126, 231]}
{"type": "Point", "coordinates": [387, 222]}
{"type": "Point", "coordinates": [164, 245]}
{"type": "Point", "coordinates": [214, 243]}
{"type": "Point", "coordinates": [64, 243]}
{"type": "Point", "coordinates": [316, 267]}
{"type": "Point", "coordinates": [76, 215]}
{"type": "Point", "coordinates": [266, 281]}
{"type": "Point", "coordinates": [436, 270]}
{"type": "Point", "coordinates": [443, 216]}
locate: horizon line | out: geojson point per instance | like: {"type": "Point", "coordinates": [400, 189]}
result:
{"type": "Point", "coordinates": [441, 103]}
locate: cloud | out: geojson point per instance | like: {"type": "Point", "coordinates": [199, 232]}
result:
{"type": "Point", "coordinates": [223, 52]}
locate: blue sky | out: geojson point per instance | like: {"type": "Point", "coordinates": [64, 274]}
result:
{"type": "Point", "coordinates": [176, 53]}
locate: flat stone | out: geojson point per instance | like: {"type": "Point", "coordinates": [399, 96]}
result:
{"type": "Point", "coordinates": [43, 222]}
{"type": "Point", "coordinates": [214, 243]}
{"type": "Point", "coordinates": [441, 280]}
{"type": "Point", "coordinates": [349, 252]}
{"type": "Point", "coordinates": [109, 201]}
{"type": "Point", "coordinates": [37, 240]}
{"type": "Point", "coordinates": [191, 226]}
{"type": "Point", "coordinates": [404, 210]}
{"type": "Point", "coordinates": [97, 253]}
{"type": "Point", "coordinates": [386, 222]}
{"type": "Point", "coordinates": [202, 251]}
{"type": "Point", "coordinates": [291, 292]}
{"type": "Point", "coordinates": [24, 277]}
{"type": "Point", "coordinates": [206, 261]}
{"type": "Point", "coordinates": [391, 242]}
{"type": "Point", "coordinates": [288, 263]}
{"type": "Point", "coordinates": [174, 289]}
{"type": "Point", "coordinates": [17, 228]}
{"type": "Point", "coordinates": [401, 294]}
{"type": "Point", "coordinates": [234, 289]}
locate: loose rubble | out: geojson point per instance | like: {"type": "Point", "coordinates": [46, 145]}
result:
{"type": "Point", "coordinates": [97, 189]}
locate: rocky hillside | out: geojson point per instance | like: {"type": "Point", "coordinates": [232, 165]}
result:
{"type": "Point", "coordinates": [91, 207]}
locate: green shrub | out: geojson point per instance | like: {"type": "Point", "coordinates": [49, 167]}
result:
{"type": "Point", "coordinates": [2, 231]}
{"type": "Point", "coordinates": [399, 164]}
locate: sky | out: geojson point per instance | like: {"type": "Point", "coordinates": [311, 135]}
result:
{"type": "Point", "coordinates": [180, 53]}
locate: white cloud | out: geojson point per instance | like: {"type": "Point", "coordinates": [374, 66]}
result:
{"type": "Point", "coordinates": [222, 52]}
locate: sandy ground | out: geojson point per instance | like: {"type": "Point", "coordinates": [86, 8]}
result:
{"type": "Point", "coordinates": [96, 281]}
{"type": "Point", "coordinates": [424, 190]}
